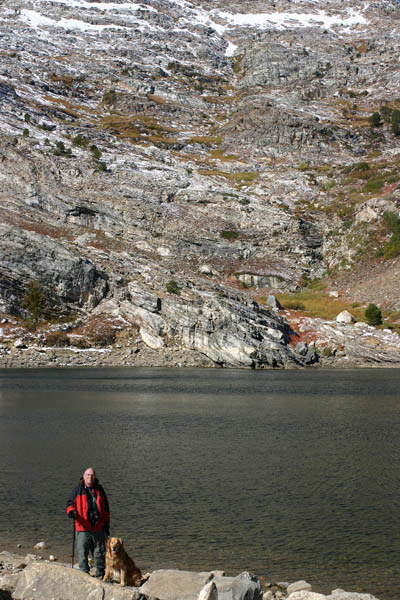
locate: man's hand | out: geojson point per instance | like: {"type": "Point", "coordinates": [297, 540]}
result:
{"type": "Point", "coordinates": [73, 514]}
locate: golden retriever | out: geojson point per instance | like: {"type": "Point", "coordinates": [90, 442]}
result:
{"type": "Point", "coordinates": [118, 560]}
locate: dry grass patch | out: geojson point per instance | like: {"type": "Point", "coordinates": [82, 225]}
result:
{"type": "Point", "coordinates": [99, 330]}
{"type": "Point", "coordinates": [317, 303]}
{"type": "Point", "coordinates": [243, 178]}
{"type": "Point", "coordinates": [139, 128]}
{"type": "Point", "coordinates": [205, 140]}
{"type": "Point", "coordinates": [217, 154]}
{"type": "Point", "coordinates": [74, 110]}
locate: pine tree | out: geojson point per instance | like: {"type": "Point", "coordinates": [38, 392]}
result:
{"type": "Point", "coordinates": [373, 315]}
{"type": "Point", "coordinates": [34, 302]}
{"type": "Point", "coordinates": [396, 121]}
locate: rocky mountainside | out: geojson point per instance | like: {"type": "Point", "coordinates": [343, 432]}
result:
{"type": "Point", "coordinates": [166, 166]}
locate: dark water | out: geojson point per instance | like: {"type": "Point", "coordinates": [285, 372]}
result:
{"type": "Point", "coordinates": [288, 474]}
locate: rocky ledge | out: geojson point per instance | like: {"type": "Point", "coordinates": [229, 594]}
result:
{"type": "Point", "coordinates": [30, 578]}
{"type": "Point", "coordinates": [243, 336]}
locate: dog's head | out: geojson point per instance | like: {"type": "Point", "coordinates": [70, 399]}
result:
{"type": "Point", "coordinates": [114, 545]}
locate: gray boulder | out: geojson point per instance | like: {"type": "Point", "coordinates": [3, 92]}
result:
{"type": "Point", "coordinates": [273, 302]}
{"type": "Point", "coordinates": [298, 586]}
{"type": "Point", "coordinates": [345, 317]}
{"type": "Point", "coordinates": [169, 584]}
{"type": "Point", "coordinates": [302, 348]}
{"type": "Point", "coordinates": [172, 584]}
{"type": "Point", "coordinates": [246, 587]}
{"type": "Point", "coordinates": [208, 592]}
{"type": "Point", "coordinates": [44, 581]}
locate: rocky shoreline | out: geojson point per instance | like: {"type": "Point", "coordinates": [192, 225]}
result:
{"type": "Point", "coordinates": [315, 343]}
{"type": "Point", "coordinates": [33, 577]}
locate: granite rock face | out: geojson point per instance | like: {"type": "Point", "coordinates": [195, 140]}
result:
{"type": "Point", "coordinates": [173, 164]}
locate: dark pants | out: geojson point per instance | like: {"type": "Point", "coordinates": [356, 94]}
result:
{"type": "Point", "coordinates": [95, 541]}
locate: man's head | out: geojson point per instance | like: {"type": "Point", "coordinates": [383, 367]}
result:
{"type": "Point", "coordinates": [89, 477]}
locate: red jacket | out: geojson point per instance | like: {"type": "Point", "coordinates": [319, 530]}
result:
{"type": "Point", "coordinates": [78, 501]}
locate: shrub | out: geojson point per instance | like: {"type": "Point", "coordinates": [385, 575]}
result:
{"type": "Point", "coordinates": [172, 287]}
{"type": "Point", "coordinates": [79, 342]}
{"type": "Point", "coordinates": [80, 140]}
{"type": "Point", "coordinates": [327, 352]}
{"type": "Point", "coordinates": [392, 247]}
{"type": "Point", "coordinates": [102, 166]}
{"type": "Point", "coordinates": [375, 119]}
{"type": "Point", "coordinates": [386, 113]}
{"type": "Point", "coordinates": [57, 338]}
{"type": "Point", "coordinates": [61, 150]}
{"type": "Point", "coordinates": [95, 151]}
{"type": "Point", "coordinates": [98, 331]}
{"type": "Point", "coordinates": [104, 336]}
{"type": "Point", "coordinates": [392, 221]}
{"type": "Point", "coordinates": [109, 97]}
{"type": "Point", "coordinates": [229, 235]}
{"type": "Point", "coordinates": [396, 121]}
{"type": "Point", "coordinates": [34, 302]}
{"type": "Point", "coordinates": [373, 315]}
{"type": "Point", "coordinates": [375, 184]}
{"type": "Point", "coordinates": [362, 166]}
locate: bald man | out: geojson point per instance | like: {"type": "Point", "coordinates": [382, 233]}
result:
{"type": "Point", "coordinates": [88, 505]}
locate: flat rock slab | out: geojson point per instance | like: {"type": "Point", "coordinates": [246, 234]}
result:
{"type": "Point", "coordinates": [44, 581]}
{"type": "Point", "coordinates": [171, 584]}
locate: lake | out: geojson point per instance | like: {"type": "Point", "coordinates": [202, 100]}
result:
{"type": "Point", "coordinates": [287, 474]}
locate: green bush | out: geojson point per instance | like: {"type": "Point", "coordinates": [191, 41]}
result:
{"type": "Point", "coordinates": [229, 235]}
{"type": "Point", "coordinates": [34, 302]}
{"type": "Point", "coordinates": [61, 150]}
{"type": "Point", "coordinates": [362, 166]}
{"type": "Point", "coordinates": [375, 119]}
{"type": "Point", "coordinates": [386, 113]}
{"type": "Point", "coordinates": [327, 352]}
{"type": "Point", "coordinates": [172, 287]}
{"type": "Point", "coordinates": [392, 221]}
{"type": "Point", "coordinates": [102, 166]}
{"type": "Point", "coordinates": [373, 315]}
{"type": "Point", "coordinates": [391, 248]}
{"type": "Point", "coordinates": [80, 140]}
{"type": "Point", "coordinates": [396, 121]}
{"type": "Point", "coordinates": [375, 184]}
{"type": "Point", "coordinates": [95, 151]}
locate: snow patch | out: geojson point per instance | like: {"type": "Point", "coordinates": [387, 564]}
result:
{"type": "Point", "coordinates": [35, 19]}
{"type": "Point", "coordinates": [287, 20]}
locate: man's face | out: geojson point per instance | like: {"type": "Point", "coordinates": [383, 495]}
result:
{"type": "Point", "coordinates": [88, 477]}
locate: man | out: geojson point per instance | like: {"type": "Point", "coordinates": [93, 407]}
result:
{"type": "Point", "coordinates": [88, 505]}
